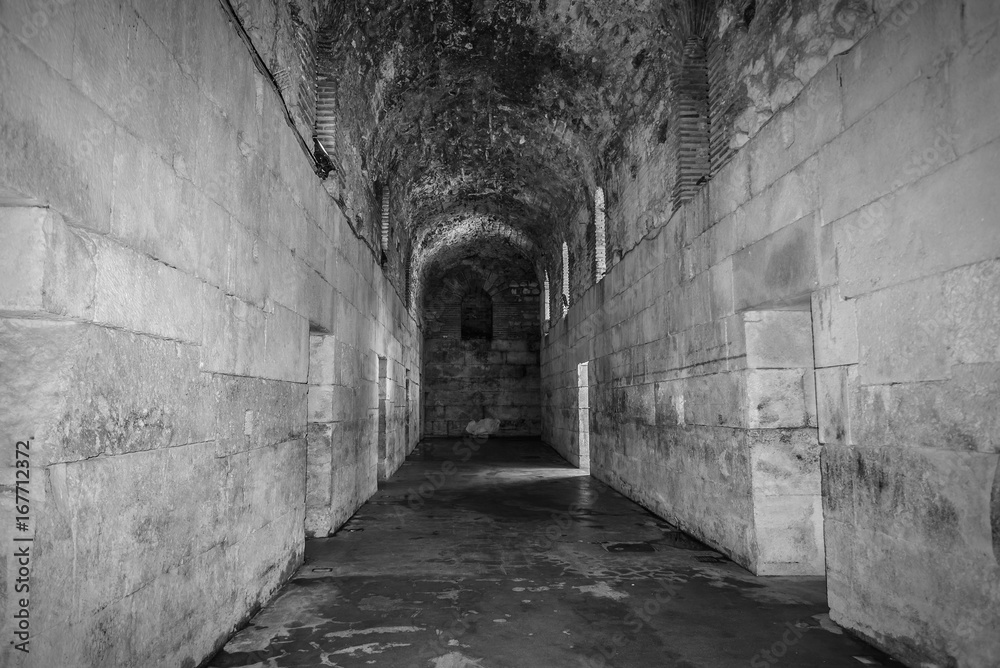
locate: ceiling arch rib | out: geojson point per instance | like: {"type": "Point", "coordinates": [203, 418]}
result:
{"type": "Point", "coordinates": [480, 236]}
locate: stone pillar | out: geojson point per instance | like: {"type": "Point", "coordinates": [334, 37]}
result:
{"type": "Point", "coordinates": [782, 443]}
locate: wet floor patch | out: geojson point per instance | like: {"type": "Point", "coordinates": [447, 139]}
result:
{"type": "Point", "coordinates": [518, 560]}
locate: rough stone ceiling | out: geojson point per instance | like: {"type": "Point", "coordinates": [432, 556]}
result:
{"type": "Point", "coordinates": [510, 109]}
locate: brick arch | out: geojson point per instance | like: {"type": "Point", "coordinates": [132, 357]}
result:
{"type": "Point", "coordinates": [478, 234]}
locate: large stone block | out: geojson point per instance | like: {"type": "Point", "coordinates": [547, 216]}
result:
{"type": "Point", "coordinates": [789, 532]}
{"type": "Point", "coordinates": [778, 339]}
{"type": "Point", "coordinates": [906, 334]}
{"type": "Point", "coordinates": [884, 150]}
{"type": "Point", "coordinates": [319, 303]}
{"type": "Point", "coordinates": [918, 46]}
{"type": "Point", "coordinates": [286, 349]}
{"type": "Point", "coordinates": [780, 398]}
{"type": "Point", "coordinates": [973, 297]}
{"type": "Point", "coordinates": [912, 502]}
{"type": "Point", "coordinates": [144, 541]}
{"type": "Point", "coordinates": [712, 400]}
{"type": "Point", "coordinates": [140, 294]}
{"type": "Point", "coordinates": [729, 188]}
{"type": "Point", "coordinates": [947, 220]}
{"type": "Point", "coordinates": [974, 78]}
{"type": "Point", "coordinates": [835, 389]}
{"type": "Point", "coordinates": [286, 278]}
{"type": "Point", "coordinates": [723, 291]}
{"type": "Point", "coordinates": [778, 269]}
{"type": "Point", "coordinates": [956, 414]}
{"type": "Point", "coordinates": [234, 335]}
{"type": "Point", "coordinates": [149, 212]}
{"type": "Point", "coordinates": [322, 359]}
{"type": "Point", "coordinates": [838, 470]}
{"type": "Point", "coordinates": [800, 130]}
{"type": "Point", "coordinates": [274, 486]}
{"type": "Point", "coordinates": [46, 29]}
{"type": "Point", "coordinates": [252, 413]}
{"type": "Point", "coordinates": [785, 462]}
{"type": "Point", "coordinates": [157, 102]}
{"type": "Point", "coordinates": [45, 266]}
{"type": "Point", "coordinates": [334, 403]}
{"type": "Point", "coordinates": [787, 200]}
{"type": "Point", "coordinates": [246, 260]}
{"type": "Point", "coordinates": [835, 328]}
{"type": "Point", "coordinates": [57, 145]}
{"type": "Point", "coordinates": [100, 50]}
{"type": "Point", "coordinates": [38, 357]}
{"type": "Point", "coordinates": [113, 510]}
{"type": "Point", "coordinates": [85, 391]}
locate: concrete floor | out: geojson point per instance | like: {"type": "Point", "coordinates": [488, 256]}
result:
{"type": "Point", "coordinates": [508, 556]}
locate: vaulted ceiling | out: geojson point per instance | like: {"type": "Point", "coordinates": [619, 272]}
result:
{"type": "Point", "coordinates": [487, 115]}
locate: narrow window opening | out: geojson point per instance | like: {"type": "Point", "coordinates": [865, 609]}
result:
{"type": "Point", "coordinates": [600, 237]}
{"type": "Point", "coordinates": [546, 301]}
{"type": "Point", "coordinates": [385, 217]}
{"type": "Point", "coordinates": [565, 279]}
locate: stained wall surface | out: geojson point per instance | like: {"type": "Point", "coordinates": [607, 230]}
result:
{"type": "Point", "coordinates": [800, 365]}
{"type": "Point", "coordinates": [165, 252]}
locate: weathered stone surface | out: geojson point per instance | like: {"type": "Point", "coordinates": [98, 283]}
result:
{"type": "Point", "coordinates": [957, 414]}
{"type": "Point", "coordinates": [254, 412]}
{"type": "Point", "coordinates": [156, 552]}
{"type": "Point", "coordinates": [915, 48]}
{"type": "Point", "coordinates": [52, 41]}
{"type": "Point", "coordinates": [907, 499]}
{"type": "Point", "coordinates": [787, 200]}
{"type": "Point", "coordinates": [58, 144]}
{"type": "Point", "coordinates": [138, 293]}
{"type": "Point", "coordinates": [780, 398]}
{"type": "Point", "coordinates": [904, 334]}
{"type": "Point", "coordinates": [901, 138]}
{"type": "Point", "coordinates": [900, 238]}
{"type": "Point", "coordinates": [789, 535]}
{"type": "Point", "coordinates": [45, 265]}
{"type": "Point", "coordinates": [800, 130]}
{"type": "Point", "coordinates": [835, 387]}
{"type": "Point", "coordinates": [835, 328]}
{"type": "Point", "coordinates": [779, 269]}
{"type": "Point", "coordinates": [787, 505]}
{"type": "Point", "coordinates": [155, 198]}
{"type": "Point", "coordinates": [900, 304]}
{"type": "Point", "coordinates": [778, 339]}
{"type": "Point", "coordinates": [973, 297]}
{"type": "Point", "coordinates": [975, 81]}
{"type": "Point", "coordinates": [86, 391]}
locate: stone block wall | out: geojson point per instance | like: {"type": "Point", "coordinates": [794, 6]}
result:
{"type": "Point", "coordinates": [165, 252]}
{"type": "Point", "coordinates": [867, 206]}
{"type": "Point", "coordinates": [474, 378]}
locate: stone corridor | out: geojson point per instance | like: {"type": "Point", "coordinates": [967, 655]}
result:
{"type": "Point", "coordinates": [738, 259]}
{"type": "Point", "coordinates": [498, 554]}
